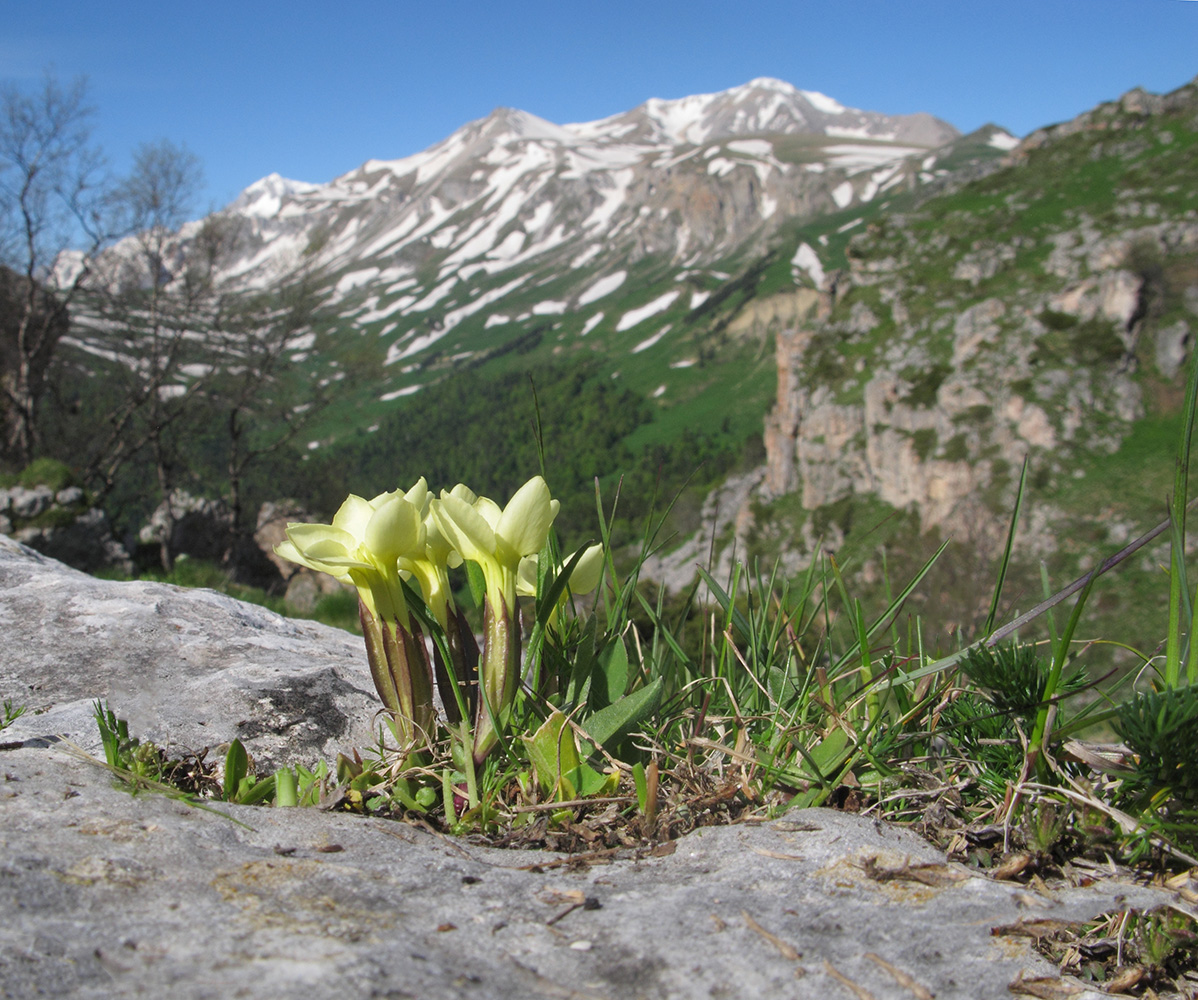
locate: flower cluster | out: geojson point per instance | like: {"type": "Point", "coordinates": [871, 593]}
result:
{"type": "Point", "coordinates": [405, 542]}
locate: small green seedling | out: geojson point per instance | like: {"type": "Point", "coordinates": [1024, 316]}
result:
{"type": "Point", "coordinates": [11, 713]}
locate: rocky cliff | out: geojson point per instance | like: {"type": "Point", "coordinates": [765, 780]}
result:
{"type": "Point", "coordinates": [1045, 311]}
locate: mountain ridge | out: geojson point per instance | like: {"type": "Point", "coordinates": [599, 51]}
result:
{"type": "Point", "coordinates": [459, 235]}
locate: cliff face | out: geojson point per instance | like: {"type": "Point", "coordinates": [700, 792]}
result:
{"type": "Point", "coordinates": [934, 434]}
{"type": "Point", "coordinates": [1040, 311]}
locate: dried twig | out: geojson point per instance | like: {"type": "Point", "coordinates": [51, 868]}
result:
{"type": "Point", "coordinates": [921, 992]}
{"type": "Point", "coordinates": [860, 991]}
{"type": "Point", "coordinates": [786, 950]}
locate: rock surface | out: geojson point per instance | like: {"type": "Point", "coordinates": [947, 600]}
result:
{"type": "Point", "coordinates": [191, 667]}
{"type": "Point", "coordinates": [60, 524]}
{"type": "Point", "coordinates": [110, 895]}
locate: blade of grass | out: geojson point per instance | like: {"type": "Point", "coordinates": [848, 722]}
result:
{"type": "Point", "coordinates": [1178, 589]}
{"type": "Point", "coordinates": [1065, 593]}
{"type": "Point", "coordinates": [1005, 562]}
{"type": "Point", "coordinates": [1047, 710]}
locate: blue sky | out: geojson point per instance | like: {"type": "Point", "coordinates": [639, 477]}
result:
{"type": "Point", "coordinates": [296, 88]}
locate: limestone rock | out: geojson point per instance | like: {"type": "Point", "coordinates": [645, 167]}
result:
{"type": "Point", "coordinates": [1172, 347]}
{"type": "Point", "coordinates": [273, 519]}
{"type": "Point", "coordinates": [62, 526]}
{"type": "Point", "coordinates": [189, 666]}
{"type": "Point", "coordinates": [85, 542]}
{"type": "Point", "coordinates": [30, 502]}
{"type": "Point", "coordinates": [197, 526]}
{"type": "Point", "coordinates": [304, 588]}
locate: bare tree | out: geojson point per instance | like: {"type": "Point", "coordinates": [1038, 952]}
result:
{"type": "Point", "coordinates": [151, 304]}
{"type": "Point", "coordinates": [170, 354]}
{"type": "Point", "coordinates": [209, 385]}
{"type": "Point", "coordinates": [52, 200]}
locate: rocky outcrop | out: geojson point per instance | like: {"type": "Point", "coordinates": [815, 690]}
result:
{"type": "Point", "coordinates": [1130, 110]}
{"type": "Point", "coordinates": [61, 524]}
{"type": "Point", "coordinates": [933, 437]}
{"type": "Point", "coordinates": [192, 667]}
{"type": "Point", "coordinates": [189, 525]}
{"type": "Point", "coordinates": [304, 588]}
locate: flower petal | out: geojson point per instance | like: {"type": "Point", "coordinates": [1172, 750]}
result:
{"type": "Point", "coordinates": [353, 516]}
{"type": "Point", "coordinates": [464, 528]}
{"type": "Point", "coordinates": [419, 495]}
{"type": "Point", "coordinates": [394, 530]}
{"type": "Point", "coordinates": [304, 536]}
{"type": "Point", "coordinates": [585, 577]}
{"type": "Point", "coordinates": [524, 524]}
{"type": "Point", "coordinates": [489, 509]}
{"type": "Point", "coordinates": [526, 577]}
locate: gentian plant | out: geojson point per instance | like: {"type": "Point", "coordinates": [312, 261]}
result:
{"type": "Point", "coordinates": [364, 546]}
{"type": "Point", "coordinates": [400, 546]}
{"type": "Point", "coordinates": [497, 540]}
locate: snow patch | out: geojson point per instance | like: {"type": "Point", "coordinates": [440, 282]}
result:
{"type": "Point", "coordinates": [539, 217]}
{"type": "Point", "coordinates": [264, 198]}
{"type": "Point", "coordinates": [604, 286]}
{"type": "Point", "coordinates": [591, 323]}
{"type": "Point", "coordinates": [644, 345]}
{"type": "Point", "coordinates": [861, 132]}
{"type": "Point", "coordinates": [496, 319]}
{"type": "Point", "coordinates": [842, 194]}
{"type": "Point", "coordinates": [613, 198]}
{"type": "Point", "coordinates": [658, 305]}
{"type": "Point", "coordinates": [511, 246]}
{"type": "Point", "coordinates": [549, 308]}
{"type": "Point", "coordinates": [1002, 140]}
{"type": "Point", "coordinates": [374, 314]}
{"type": "Point", "coordinates": [588, 255]}
{"type": "Point", "coordinates": [864, 157]}
{"type": "Point", "coordinates": [435, 296]}
{"type": "Point", "coordinates": [822, 102]}
{"type": "Point", "coordinates": [407, 390]}
{"type": "Point", "coordinates": [881, 180]}
{"type": "Point", "coordinates": [393, 235]}
{"type": "Point", "coordinates": [355, 279]}
{"type": "Point", "coordinates": [455, 316]}
{"type": "Point", "coordinates": [680, 120]}
{"type": "Point", "coordinates": [590, 159]}
{"type": "Point", "coordinates": [698, 298]}
{"type": "Point", "coordinates": [806, 259]}
{"type": "Point", "coordinates": [752, 147]}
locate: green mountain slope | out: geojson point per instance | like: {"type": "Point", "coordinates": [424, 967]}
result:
{"type": "Point", "coordinates": [1045, 310]}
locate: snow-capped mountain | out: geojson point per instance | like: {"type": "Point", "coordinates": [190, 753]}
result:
{"type": "Point", "coordinates": [514, 224]}
{"type": "Point", "coordinates": [688, 177]}
{"type": "Point", "coordinates": [765, 105]}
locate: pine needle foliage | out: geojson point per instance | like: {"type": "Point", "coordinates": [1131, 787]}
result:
{"type": "Point", "coordinates": [1161, 728]}
{"type": "Point", "coordinates": [1015, 677]}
